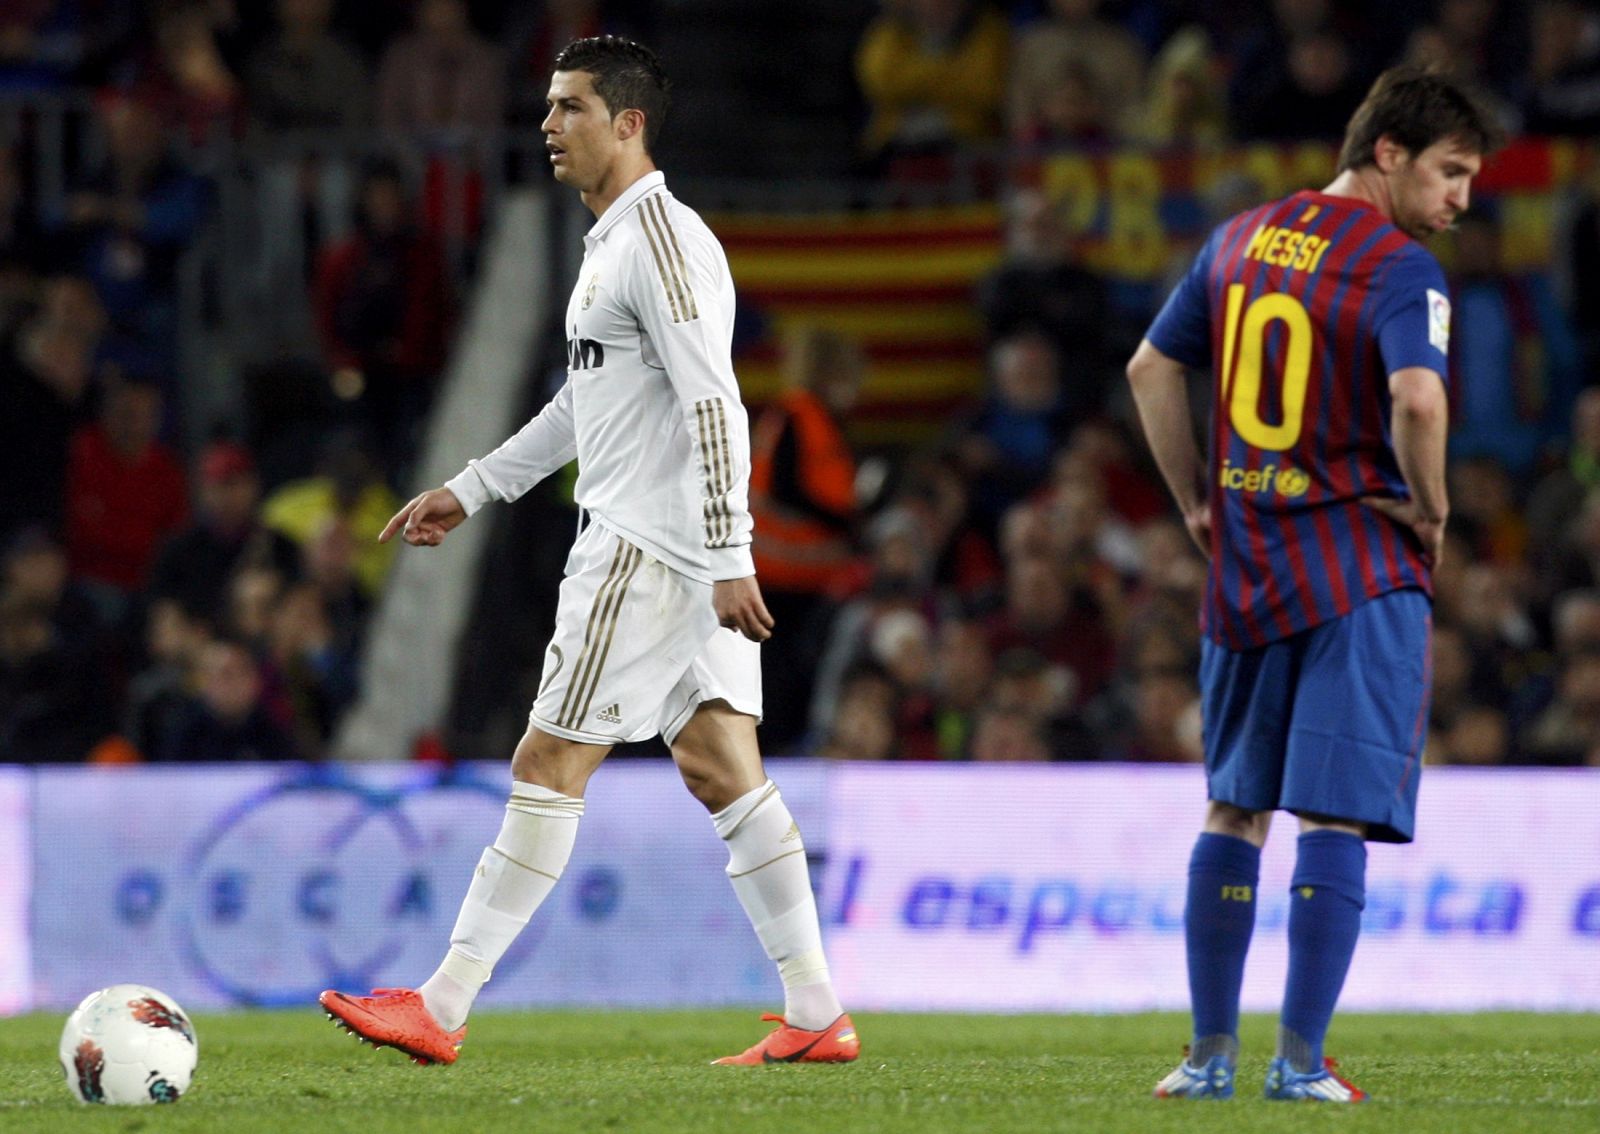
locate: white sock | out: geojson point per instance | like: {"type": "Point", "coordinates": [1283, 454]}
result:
{"type": "Point", "coordinates": [513, 877]}
{"type": "Point", "coordinates": [767, 865]}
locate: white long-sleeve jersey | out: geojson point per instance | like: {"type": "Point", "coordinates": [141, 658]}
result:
{"type": "Point", "coordinates": [651, 406]}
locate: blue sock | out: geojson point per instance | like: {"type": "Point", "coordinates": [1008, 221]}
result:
{"type": "Point", "coordinates": [1325, 902]}
{"type": "Point", "coordinates": [1217, 923]}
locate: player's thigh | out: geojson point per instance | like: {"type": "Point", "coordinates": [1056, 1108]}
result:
{"type": "Point", "coordinates": [1244, 709]}
{"type": "Point", "coordinates": [628, 627]}
{"type": "Point", "coordinates": [728, 669]}
{"type": "Point", "coordinates": [1360, 716]}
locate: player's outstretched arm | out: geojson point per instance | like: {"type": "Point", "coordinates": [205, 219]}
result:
{"type": "Point", "coordinates": [427, 519]}
{"type": "Point", "coordinates": [740, 607]}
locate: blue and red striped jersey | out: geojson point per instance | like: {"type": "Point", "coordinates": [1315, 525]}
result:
{"type": "Point", "coordinates": [1302, 308]}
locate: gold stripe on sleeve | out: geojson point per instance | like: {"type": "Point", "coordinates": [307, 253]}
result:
{"type": "Point", "coordinates": [661, 266]}
{"type": "Point", "coordinates": [656, 231]}
{"type": "Point", "coordinates": [677, 252]}
{"type": "Point", "coordinates": [710, 467]}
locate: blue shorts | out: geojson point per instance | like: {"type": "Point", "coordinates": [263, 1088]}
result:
{"type": "Point", "coordinates": [1328, 722]}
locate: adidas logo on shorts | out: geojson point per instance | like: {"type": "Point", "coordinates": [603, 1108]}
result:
{"type": "Point", "coordinates": [611, 714]}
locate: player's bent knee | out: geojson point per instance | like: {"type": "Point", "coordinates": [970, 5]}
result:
{"type": "Point", "coordinates": [556, 763]}
{"type": "Point", "coordinates": [1228, 819]}
{"type": "Point", "coordinates": [1313, 822]}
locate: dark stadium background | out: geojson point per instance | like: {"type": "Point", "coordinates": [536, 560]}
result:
{"type": "Point", "coordinates": [193, 322]}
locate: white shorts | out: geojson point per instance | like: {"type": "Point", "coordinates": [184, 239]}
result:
{"type": "Point", "coordinates": [637, 649]}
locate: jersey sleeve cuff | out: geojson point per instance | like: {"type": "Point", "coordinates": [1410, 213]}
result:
{"type": "Point", "coordinates": [732, 563]}
{"type": "Point", "coordinates": [469, 488]}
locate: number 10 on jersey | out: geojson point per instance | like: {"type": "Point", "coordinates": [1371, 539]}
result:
{"type": "Point", "coordinates": [1244, 345]}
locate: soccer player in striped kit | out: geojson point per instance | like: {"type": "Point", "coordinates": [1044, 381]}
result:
{"type": "Point", "coordinates": [1321, 509]}
{"type": "Point", "coordinates": [660, 616]}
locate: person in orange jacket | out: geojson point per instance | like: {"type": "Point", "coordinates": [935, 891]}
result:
{"type": "Point", "coordinates": [802, 495]}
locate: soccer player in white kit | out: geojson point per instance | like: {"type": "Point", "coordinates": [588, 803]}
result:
{"type": "Point", "coordinates": [660, 615]}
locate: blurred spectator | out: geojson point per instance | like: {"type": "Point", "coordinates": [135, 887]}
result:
{"type": "Point", "coordinates": [863, 726]}
{"type": "Point", "coordinates": [54, 695]}
{"type": "Point", "coordinates": [963, 668]}
{"type": "Point", "coordinates": [45, 374]}
{"type": "Point", "coordinates": [1170, 583]}
{"type": "Point", "coordinates": [318, 664]}
{"type": "Point", "coordinates": [1006, 450]}
{"type": "Point", "coordinates": [1073, 40]}
{"type": "Point", "coordinates": [253, 593]}
{"type": "Point", "coordinates": [196, 565]}
{"type": "Point", "coordinates": [1459, 680]}
{"type": "Point", "coordinates": [125, 491]}
{"type": "Point", "coordinates": [1166, 720]}
{"type": "Point", "coordinates": [159, 696]}
{"type": "Point", "coordinates": [1486, 512]}
{"type": "Point", "coordinates": [40, 45]}
{"type": "Point", "coordinates": [1069, 110]}
{"type": "Point", "coordinates": [1310, 98]}
{"type": "Point", "coordinates": [227, 720]}
{"type": "Point", "coordinates": [963, 562]}
{"type": "Point", "coordinates": [1574, 561]}
{"type": "Point", "coordinates": [1515, 355]}
{"type": "Point", "coordinates": [901, 642]}
{"type": "Point", "coordinates": [933, 73]}
{"type": "Point", "coordinates": [381, 302]}
{"type": "Point", "coordinates": [1043, 615]}
{"type": "Point", "coordinates": [329, 560]}
{"type": "Point", "coordinates": [1041, 287]}
{"type": "Point", "coordinates": [1001, 735]}
{"type": "Point", "coordinates": [1564, 87]}
{"type": "Point", "coordinates": [1574, 629]}
{"type": "Point", "coordinates": [538, 33]}
{"type": "Point", "coordinates": [1497, 623]}
{"type": "Point", "coordinates": [1480, 737]}
{"type": "Point", "coordinates": [1560, 494]}
{"type": "Point", "coordinates": [802, 496]}
{"type": "Point", "coordinates": [1261, 52]}
{"type": "Point", "coordinates": [1186, 103]}
{"type": "Point", "coordinates": [1481, 42]}
{"type": "Point", "coordinates": [1569, 728]}
{"type": "Point", "coordinates": [127, 224]}
{"type": "Point", "coordinates": [184, 75]}
{"type": "Point", "coordinates": [346, 487]}
{"type": "Point", "coordinates": [1027, 687]}
{"type": "Point", "coordinates": [1101, 447]}
{"type": "Point", "coordinates": [900, 584]}
{"type": "Point", "coordinates": [304, 79]}
{"type": "Point", "coordinates": [442, 76]}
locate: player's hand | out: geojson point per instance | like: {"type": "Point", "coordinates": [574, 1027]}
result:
{"type": "Point", "coordinates": [739, 606]}
{"type": "Point", "coordinates": [1199, 524]}
{"type": "Point", "coordinates": [1430, 533]}
{"type": "Point", "coordinates": [427, 519]}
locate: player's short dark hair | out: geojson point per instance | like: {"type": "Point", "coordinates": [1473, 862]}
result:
{"type": "Point", "coordinates": [1417, 107]}
{"type": "Point", "coordinates": [627, 76]}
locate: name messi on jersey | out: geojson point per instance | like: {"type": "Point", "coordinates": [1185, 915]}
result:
{"type": "Point", "coordinates": [585, 354]}
{"type": "Point", "coordinates": [1287, 248]}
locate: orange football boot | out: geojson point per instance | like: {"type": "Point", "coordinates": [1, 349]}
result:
{"type": "Point", "coordinates": [836, 1043]}
{"type": "Point", "coordinates": [397, 1018]}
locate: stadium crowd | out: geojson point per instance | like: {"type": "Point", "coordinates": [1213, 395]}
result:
{"type": "Point", "coordinates": [1018, 589]}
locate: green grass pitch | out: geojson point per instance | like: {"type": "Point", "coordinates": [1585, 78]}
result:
{"type": "Point", "coordinates": [597, 1072]}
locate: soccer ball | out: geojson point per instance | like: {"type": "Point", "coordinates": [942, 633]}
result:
{"type": "Point", "coordinates": [128, 1045]}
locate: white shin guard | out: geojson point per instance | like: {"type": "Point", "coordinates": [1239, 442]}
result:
{"type": "Point", "coordinates": [512, 879]}
{"type": "Point", "coordinates": [767, 866]}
